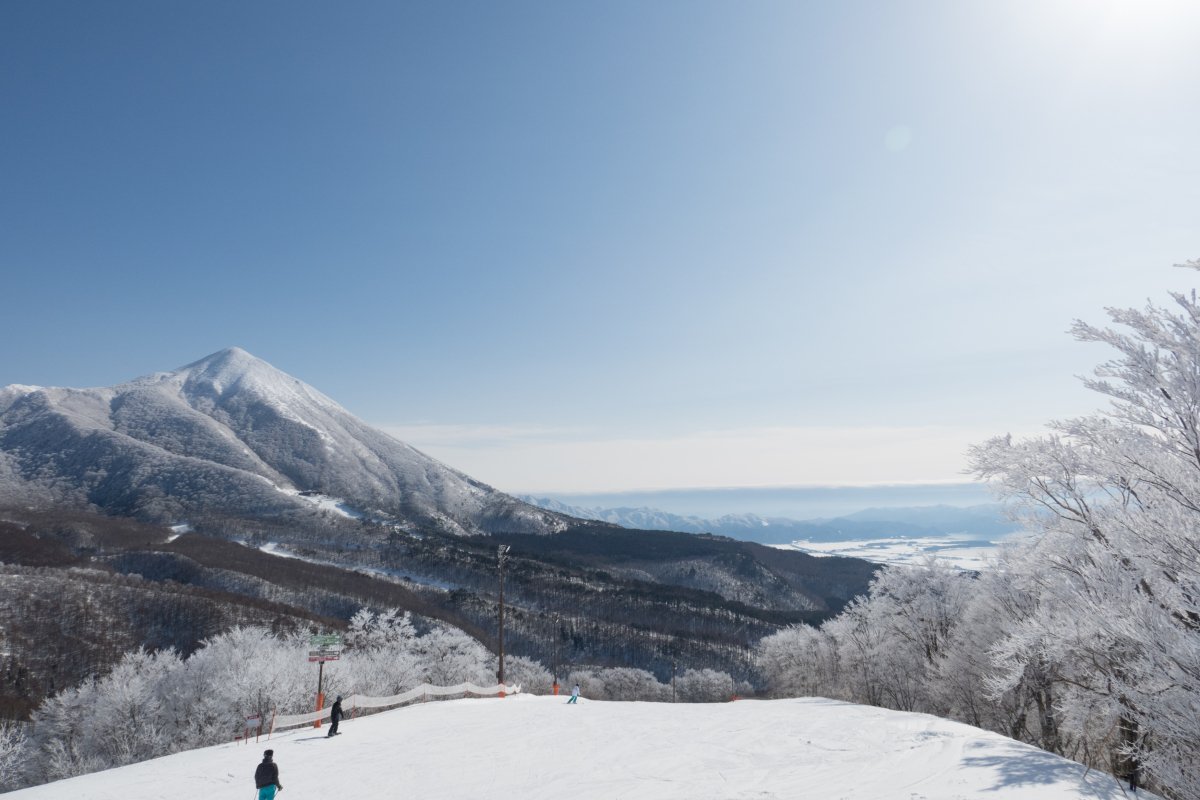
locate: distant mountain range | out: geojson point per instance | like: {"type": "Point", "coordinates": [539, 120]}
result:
{"type": "Point", "coordinates": [230, 432]}
{"type": "Point", "coordinates": [980, 520]}
{"type": "Point", "coordinates": [789, 502]}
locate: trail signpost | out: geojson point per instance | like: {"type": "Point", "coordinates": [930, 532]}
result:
{"type": "Point", "coordinates": [323, 647]}
{"type": "Point", "coordinates": [253, 725]}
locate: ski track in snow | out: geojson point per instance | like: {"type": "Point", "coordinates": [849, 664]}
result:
{"type": "Point", "coordinates": [396, 576]}
{"type": "Point", "coordinates": [179, 530]}
{"type": "Point", "coordinates": [538, 747]}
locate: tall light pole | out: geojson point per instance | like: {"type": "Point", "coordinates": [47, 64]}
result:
{"type": "Point", "coordinates": [557, 648]}
{"type": "Point", "coordinates": [501, 557]}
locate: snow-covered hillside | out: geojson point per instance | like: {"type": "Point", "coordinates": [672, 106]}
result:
{"type": "Point", "coordinates": [539, 747]}
{"type": "Point", "coordinates": [230, 433]}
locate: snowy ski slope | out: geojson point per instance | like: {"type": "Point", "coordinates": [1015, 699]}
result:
{"type": "Point", "coordinates": [527, 748]}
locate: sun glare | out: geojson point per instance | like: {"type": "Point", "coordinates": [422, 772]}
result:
{"type": "Point", "coordinates": [1138, 22]}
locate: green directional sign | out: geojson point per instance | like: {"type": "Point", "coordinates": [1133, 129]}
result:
{"type": "Point", "coordinates": [325, 641]}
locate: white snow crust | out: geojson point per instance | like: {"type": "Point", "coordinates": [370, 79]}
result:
{"type": "Point", "coordinates": [529, 748]}
{"type": "Point", "coordinates": [333, 504]}
{"type": "Point", "coordinates": [969, 554]}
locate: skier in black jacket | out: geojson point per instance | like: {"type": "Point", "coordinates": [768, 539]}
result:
{"type": "Point", "coordinates": [266, 777]}
{"type": "Point", "coordinates": [335, 714]}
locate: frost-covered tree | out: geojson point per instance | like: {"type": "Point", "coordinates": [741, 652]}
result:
{"type": "Point", "coordinates": [628, 683]}
{"type": "Point", "coordinates": [451, 657]}
{"type": "Point", "coordinates": [884, 649]}
{"type": "Point", "coordinates": [916, 610]}
{"type": "Point", "coordinates": [242, 672]}
{"type": "Point", "coordinates": [12, 755]}
{"type": "Point", "coordinates": [704, 686]}
{"type": "Point", "coordinates": [128, 723]}
{"type": "Point", "coordinates": [799, 661]}
{"type": "Point", "coordinates": [860, 642]}
{"type": "Point", "coordinates": [532, 677]}
{"type": "Point", "coordinates": [60, 725]}
{"type": "Point", "coordinates": [371, 630]}
{"type": "Point", "coordinates": [972, 685]}
{"type": "Point", "coordinates": [381, 656]}
{"type": "Point", "coordinates": [1115, 498]}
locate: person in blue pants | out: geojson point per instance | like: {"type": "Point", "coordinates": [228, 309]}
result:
{"type": "Point", "coordinates": [574, 695]}
{"type": "Point", "coordinates": [266, 777]}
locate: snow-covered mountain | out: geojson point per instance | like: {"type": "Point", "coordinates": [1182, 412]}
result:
{"type": "Point", "coordinates": [230, 434]}
{"type": "Point", "coordinates": [600, 750]}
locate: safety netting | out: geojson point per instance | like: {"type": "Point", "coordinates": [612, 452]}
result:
{"type": "Point", "coordinates": [358, 702]}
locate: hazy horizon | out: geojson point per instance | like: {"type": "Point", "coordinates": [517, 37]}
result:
{"type": "Point", "coordinates": [793, 502]}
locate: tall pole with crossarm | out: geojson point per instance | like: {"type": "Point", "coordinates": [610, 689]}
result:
{"type": "Point", "coordinates": [501, 557]}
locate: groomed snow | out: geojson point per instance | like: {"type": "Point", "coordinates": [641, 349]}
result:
{"type": "Point", "coordinates": [524, 748]}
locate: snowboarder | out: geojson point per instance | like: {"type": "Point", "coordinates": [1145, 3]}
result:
{"type": "Point", "coordinates": [266, 777]}
{"type": "Point", "coordinates": [335, 714]}
{"type": "Point", "coordinates": [574, 695]}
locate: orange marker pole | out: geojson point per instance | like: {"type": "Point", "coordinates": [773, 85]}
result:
{"type": "Point", "coordinates": [320, 694]}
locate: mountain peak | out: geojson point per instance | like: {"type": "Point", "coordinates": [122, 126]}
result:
{"type": "Point", "coordinates": [234, 372]}
{"type": "Point", "coordinates": [230, 360]}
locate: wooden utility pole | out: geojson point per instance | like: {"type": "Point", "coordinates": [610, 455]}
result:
{"type": "Point", "coordinates": [501, 557]}
{"type": "Point", "coordinates": [557, 649]}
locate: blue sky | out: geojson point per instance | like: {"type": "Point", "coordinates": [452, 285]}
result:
{"type": "Point", "coordinates": [597, 246]}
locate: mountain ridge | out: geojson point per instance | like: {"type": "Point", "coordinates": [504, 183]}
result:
{"type": "Point", "coordinates": [936, 520]}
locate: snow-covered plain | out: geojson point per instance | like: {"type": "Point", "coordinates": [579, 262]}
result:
{"type": "Point", "coordinates": [539, 747]}
{"type": "Point", "coordinates": [962, 552]}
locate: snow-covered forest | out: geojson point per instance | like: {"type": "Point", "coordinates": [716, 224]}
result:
{"type": "Point", "coordinates": [1084, 639]}
{"type": "Point", "coordinates": [153, 704]}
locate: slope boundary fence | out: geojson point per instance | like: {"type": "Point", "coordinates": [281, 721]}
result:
{"type": "Point", "coordinates": [360, 702]}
